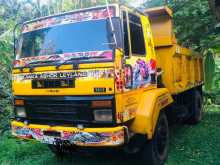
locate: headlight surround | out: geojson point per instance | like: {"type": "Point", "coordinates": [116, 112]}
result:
{"type": "Point", "coordinates": [103, 115]}
{"type": "Point", "coordinates": [20, 112]}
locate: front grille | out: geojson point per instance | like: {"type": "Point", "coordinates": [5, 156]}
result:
{"type": "Point", "coordinates": [58, 112]}
{"type": "Point", "coordinates": [63, 110]}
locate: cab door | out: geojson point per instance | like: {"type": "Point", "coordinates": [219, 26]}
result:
{"type": "Point", "coordinates": [138, 51]}
{"type": "Point", "coordinates": [138, 64]}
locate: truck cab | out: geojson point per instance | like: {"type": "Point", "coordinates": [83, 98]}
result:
{"type": "Point", "coordinates": [89, 78]}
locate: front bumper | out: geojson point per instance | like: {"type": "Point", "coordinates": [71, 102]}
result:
{"type": "Point", "coordinates": [70, 135]}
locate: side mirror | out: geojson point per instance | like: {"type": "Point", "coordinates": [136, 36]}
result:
{"type": "Point", "coordinates": [16, 44]}
{"type": "Point", "coordinates": [116, 31]}
{"type": "Point", "coordinates": [14, 36]}
{"type": "Point", "coordinates": [128, 76]}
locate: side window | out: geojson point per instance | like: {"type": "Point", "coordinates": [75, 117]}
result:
{"type": "Point", "coordinates": [137, 35]}
{"type": "Point", "coordinates": [125, 29]}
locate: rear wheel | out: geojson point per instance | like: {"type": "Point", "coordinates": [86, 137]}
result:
{"type": "Point", "coordinates": [155, 151]}
{"type": "Point", "coordinates": [196, 108]}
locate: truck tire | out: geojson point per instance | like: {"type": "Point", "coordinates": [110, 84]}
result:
{"type": "Point", "coordinates": [155, 151]}
{"type": "Point", "coordinates": [54, 149]}
{"type": "Point", "coordinates": [61, 151]}
{"type": "Point", "coordinates": [196, 108]}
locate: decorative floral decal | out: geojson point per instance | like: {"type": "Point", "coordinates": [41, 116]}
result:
{"type": "Point", "coordinates": [128, 76]}
{"type": "Point", "coordinates": [142, 72]}
{"type": "Point", "coordinates": [118, 79]}
{"type": "Point", "coordinates": [69, 18]}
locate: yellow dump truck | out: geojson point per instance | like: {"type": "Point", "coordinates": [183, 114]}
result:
{"type": "Point", "coordinates": [108, 76]}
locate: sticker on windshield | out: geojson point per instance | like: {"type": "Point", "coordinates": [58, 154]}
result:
{"type": "Point", "coordinates": [94, 56]}
{"type": "Point", "coordinates": [94, 14]}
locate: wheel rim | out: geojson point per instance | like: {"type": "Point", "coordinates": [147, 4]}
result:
{"type": "Point", "coordinates": [162, 139]}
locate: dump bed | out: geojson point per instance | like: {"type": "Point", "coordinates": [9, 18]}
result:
{"type": "Point", "coordinates": [182, 68]}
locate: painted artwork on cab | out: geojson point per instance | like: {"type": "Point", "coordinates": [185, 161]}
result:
{"type": "Point", "coordinates": [140, 74]}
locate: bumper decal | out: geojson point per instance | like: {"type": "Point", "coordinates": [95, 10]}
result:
{"type": "Point", "coordinates": [79, 138]}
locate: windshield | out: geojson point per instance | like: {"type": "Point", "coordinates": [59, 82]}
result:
{"type": "Point", "coordinates": [81, 37]}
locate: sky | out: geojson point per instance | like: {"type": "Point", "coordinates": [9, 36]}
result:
{"type": "Point", "coordinates": [134, 3]}
{"type": "Point", "coordinates": [43, 2]}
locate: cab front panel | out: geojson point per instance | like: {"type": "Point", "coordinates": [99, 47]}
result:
{"type": "Point", "coordinates": [65, 82]}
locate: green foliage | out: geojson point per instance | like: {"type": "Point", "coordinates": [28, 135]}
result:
{"type": "Point", "coordinates": [213, 96]}
{"type": "Point", "coordinates": [217, 80]}
{"type": "Point", "coordinates": [194, 23]}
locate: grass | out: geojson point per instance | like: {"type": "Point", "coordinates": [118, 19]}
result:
{"type": "Point", "coordinates": [189, 145]}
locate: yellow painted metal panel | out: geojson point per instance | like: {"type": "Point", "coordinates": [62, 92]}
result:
{"type": "Point", "coordinates": [162, 27]}
{"type": "Point", "coordinates": [83, 85]}
{"type": "Point", "coordinates": [151, 103]}
{"type": "Point", "coordinates": [127, 103]}
{"type": "Point", "coordinates": [180, 71]}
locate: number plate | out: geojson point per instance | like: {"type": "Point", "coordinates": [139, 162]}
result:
{"type": "Point", "coordinates": [53, 83]}
{"type": "Point", "coordinates": [48, 140]}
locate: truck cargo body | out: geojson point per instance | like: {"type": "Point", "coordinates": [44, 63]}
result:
{"type": "Point", "coordinates": [182, 68]}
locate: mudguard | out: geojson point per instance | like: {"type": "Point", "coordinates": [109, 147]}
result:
{"type": "Point", "coordinates": [151, 103]}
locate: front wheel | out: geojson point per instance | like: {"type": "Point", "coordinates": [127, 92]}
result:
{"type": "Point", "coordinates": [155, 151]}
{"type": "Point", "coordinates": [57, 150]}
{"type": "Point", "coordinates": [61, 150]}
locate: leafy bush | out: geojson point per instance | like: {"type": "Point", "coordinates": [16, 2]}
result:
{"type": "Point", "coordinates": [5, 85]}
{"type": "Point", "coordinates": [213, 95]}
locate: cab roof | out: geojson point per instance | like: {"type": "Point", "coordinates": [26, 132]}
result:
{"type": "Point", "coordinates": [69, 12]}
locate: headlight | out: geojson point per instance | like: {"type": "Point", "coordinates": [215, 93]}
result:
{"type": "Point", "coordinates": [103, 115]}
{"type": "Point", "coordinates": [20, 112]}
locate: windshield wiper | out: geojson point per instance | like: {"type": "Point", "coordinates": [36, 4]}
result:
{"type": "Point", "coordinates": [71, 59]}
{"type": "Point", "coordinates": [42, 62]}
{"type": "Point", "coordinates": [109, 43]}
{"type": "Point", "coordinates": [39, 62]}
{"type": "Point", "coordinates": [75, 62]}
